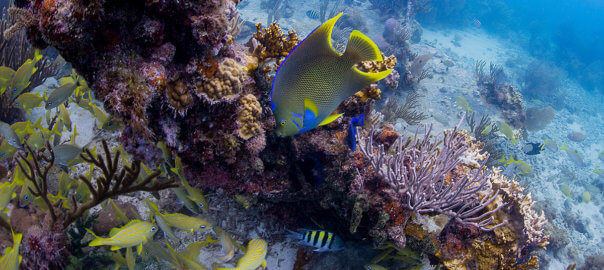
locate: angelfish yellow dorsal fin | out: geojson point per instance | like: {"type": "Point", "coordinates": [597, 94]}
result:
{"type": "Point", "coordinates": [330, 119]}
{"type": "Point", "coordinates": [361, 48]}
{"type": "Point", "coordinates": [318, 43]}
{"type": "Point", "coordinates": [310, 105]}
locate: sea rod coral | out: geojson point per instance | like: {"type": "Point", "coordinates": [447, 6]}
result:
{"type": "Point", "coordinates": [418, 174]}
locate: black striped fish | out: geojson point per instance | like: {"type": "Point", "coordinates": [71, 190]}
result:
{"type": "Point", "coordinates": [313, 14]}
{"type": "Point", "coordinates": [321, 240]}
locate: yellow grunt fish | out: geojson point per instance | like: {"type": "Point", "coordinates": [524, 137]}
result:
{"type": "Point", "coordinates": [6, 78]}
{"type": "Point", "coordinates": [28, 101]}
{"type": "Point", "coordinates": [23, 74]}
{"type": "Point", "coordinates": [181, 221]}
{"type": "Point", "coordinates": [133, 234]}
{"type": "Point", "coordinates": [254, 257]}
{"type": "Point", "coordinates": [11, 258]}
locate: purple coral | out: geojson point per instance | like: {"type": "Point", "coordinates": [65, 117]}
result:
{"type": "Point", "coordinates": [420, 173]}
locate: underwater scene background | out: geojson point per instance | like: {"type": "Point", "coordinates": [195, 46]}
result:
{"type": "Point", "coordinates": [314, 134]}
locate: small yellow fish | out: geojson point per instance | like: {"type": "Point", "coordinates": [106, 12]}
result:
{"type": "Point", "coordinates": [99, 114]}
{"type": "Point", "coordinates": [507, 131]}
{"type": "Point", "coordinates": [487, 129]}
{"type": "Point", "coordinates": [6, 150]}
{"type": "Point", "coordinates": [181, 193]}
{"type": "Point", "coordinates": [59, 95]}
{"type": "Point", "coordinates": [65, 116]}
{"type": "Point", "coordinates": [522, 167]}
{"type": "Point", "coordinates": [9, 134]}
{"type": "Point", "coordinates": [7, 193]}
{"type": "Point", "coordinates": [184, 262]}
{"type": "Point", "coordinates": [196, 196]}
{"type": "Point", "coordinates": [254, 257]}
{"type": "Point", "coordinates": [166, 154]}
{"type": "Point", "coordinates": [11, 258]}
{"type": "Point", "coordinates": [36, 140]}
{"type": "Point", "coordinates": [6, 78]}
{"type": "Point", "coordinates": [375, 267]}
{"type": "Point", "coordinates": [586, 198]}
{"type": "Point", "coordinates": [227, 243]}
{"type": "Point", "coordinates": [65, 153]}
{"type": "Point", "coordinates": [181, 221]}
{"type": "Point", "coordinates": [23, 74]}
{"type": "Point", "coordinates": [463, 103]}
{"type": "Point", "coordinates": [28, 101]}
{"type": "Point", "coordinates": [566, 190]}
{"type": "Point", "coordinates": [133, 234]}
{"type": "Point", "coordinates": [573, 155]}
{"type": "Point", "coordinates": [163, 225]}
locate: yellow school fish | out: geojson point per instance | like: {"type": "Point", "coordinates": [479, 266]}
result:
{"type": "Point", "coordinates": [23, 74]}
{"type": "Point", "coordinates": [254, 257]}
{"type": "Point", "coordinates": [181, 221]}
{"type": "Point", "coordinates": [11, 258]}
{"type": "Point", "coordinates": [7, 193]}
{"type": "Point", "coordinates": [133, 234]}
{"type": "Point", "coordinates": [507, 131]}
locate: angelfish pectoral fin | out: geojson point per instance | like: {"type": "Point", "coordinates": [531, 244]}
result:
{"type": "Point", "coordinates": [310, 105]}
{"type": "Point", "coordinates": [330, 119]}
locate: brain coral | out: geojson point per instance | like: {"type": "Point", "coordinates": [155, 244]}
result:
{"type": "Point", "coordinates": [248, 117]}
{"type": "Point", "coordinates": [226, 82]}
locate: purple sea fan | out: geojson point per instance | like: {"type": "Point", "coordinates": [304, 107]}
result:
{"type": "Point", "coordinates": [417, 172]}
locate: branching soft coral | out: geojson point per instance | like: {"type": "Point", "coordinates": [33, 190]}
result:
{"type": "Point", "coordinates": [273, 43]}
{"type": "Point", "coordinates": [23, 19]}
{"type": "Point", "coordinates": [418, 174]}
{"type": "Point", "coordinates": [114, 181]}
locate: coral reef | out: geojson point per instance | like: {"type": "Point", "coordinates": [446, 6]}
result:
{"type": "Point", "coordinates": [408, 111]}
{"type": "Point", "coordinates": [505, 96]}
{"type": "Point", "coordinates": [225, 82]}
{"type": "Point", "coordinates": [486, 133]}
{"type": "Point", "coordinates": [185, 81]}
{"type": "Point", "coordinates": [248, 117]}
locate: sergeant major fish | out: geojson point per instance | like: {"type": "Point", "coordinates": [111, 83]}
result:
{"type": "Point", "coordinates": [321, 240]}
{"type": "Point", "coordinates": [315, 78]}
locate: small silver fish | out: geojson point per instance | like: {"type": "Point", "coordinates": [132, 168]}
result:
{"type": "Point", "coordinates": [9, 135]}
{"type": "Point", "coordinates": [66, 152]}
{"type": "Point", "coordinates": [60, 95]}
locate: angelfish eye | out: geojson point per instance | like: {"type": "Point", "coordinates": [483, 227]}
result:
{"type": "Point", "coordinates": [283, 122]}
{"type": "Point", "coordinates": [153, 228]}
{"type": "Point", "coordinates": [201, 205]}
{"type": "Point", "coordinates": [202, 226]}
{"type": "Point", "coordinates": [26, 197]}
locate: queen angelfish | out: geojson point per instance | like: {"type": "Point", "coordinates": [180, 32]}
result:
{"type": "Point", "coordinates": [315, 78]}
{"type": "Point", "coordinates": [321, 240]}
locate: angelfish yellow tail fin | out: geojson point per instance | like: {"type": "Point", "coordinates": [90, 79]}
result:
{"type": "Point", "coordinates": [361, 48]}
{"type": "Point", "coordinates": [365, 78]}
{"type": "Point", "coordinates": [330, 119]}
